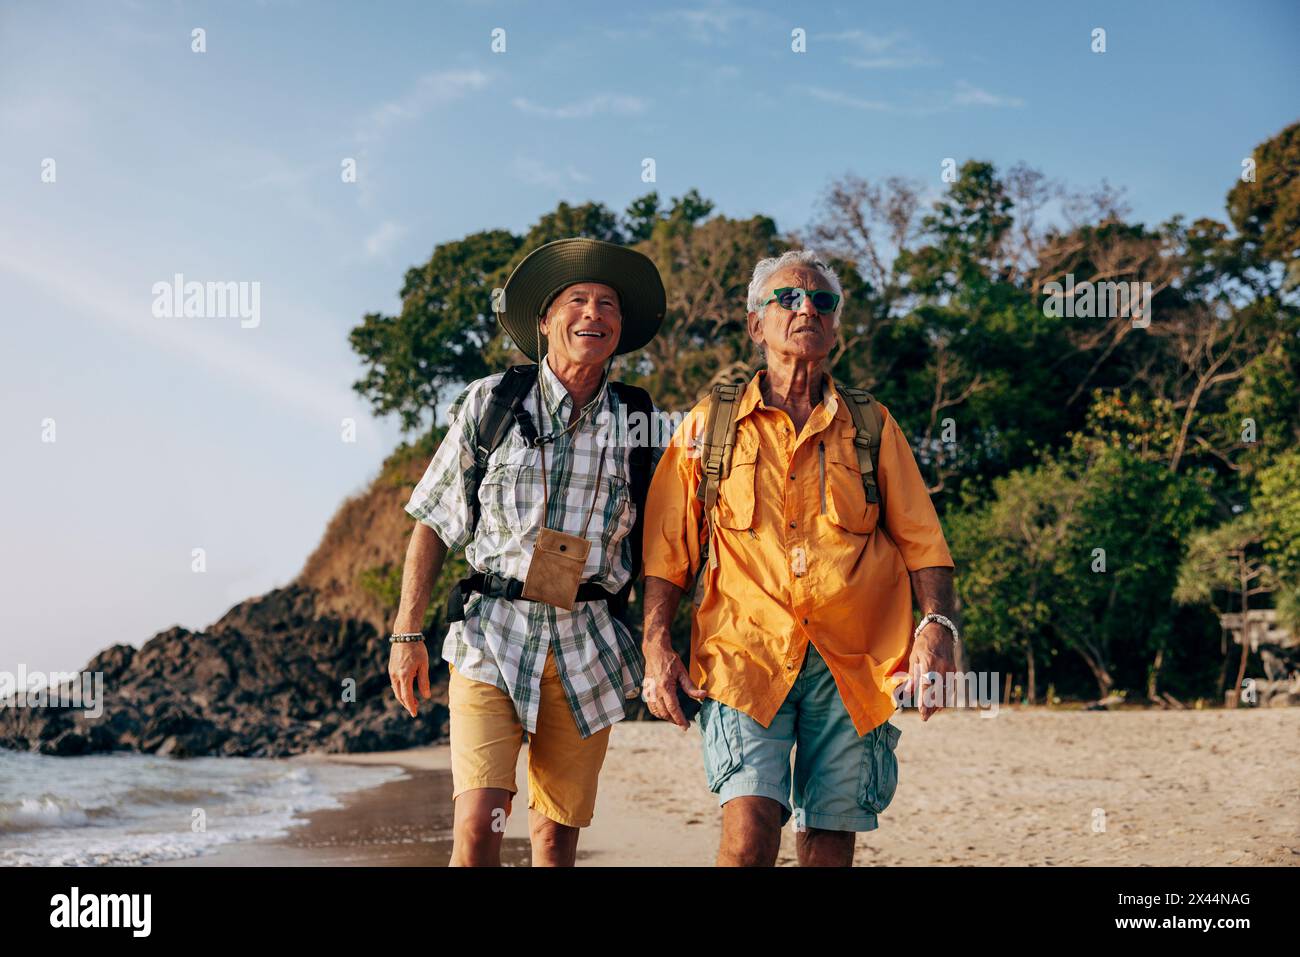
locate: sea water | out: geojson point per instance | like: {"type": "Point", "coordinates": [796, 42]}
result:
{"type": "Point", "coordinates": [127, 808]}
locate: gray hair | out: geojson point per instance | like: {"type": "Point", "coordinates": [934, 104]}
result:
{"type": "Point", "coordinates": [767, 268]}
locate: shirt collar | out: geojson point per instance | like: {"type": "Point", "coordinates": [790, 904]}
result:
{"type": "Point", "coordinates": [752, 397]}
{"type": "Point", "coordinates": [557, 396]}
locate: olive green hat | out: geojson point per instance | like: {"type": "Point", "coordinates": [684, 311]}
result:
{"type": "Point", "coordinates": [551, 268]}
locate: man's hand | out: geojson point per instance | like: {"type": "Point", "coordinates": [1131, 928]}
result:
{"type": "Point", "coordinates": [664, 671]}
{"type": "Point", "coordinates": [664, 674]}
{"type": "Point", "coordinates": [932, 651]}
{"type": "Point", "coordinates": [407, 661]}
{"type": "Point", "coordinates": [930, 663]}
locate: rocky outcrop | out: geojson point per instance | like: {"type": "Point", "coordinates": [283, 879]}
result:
{"type": "Point", "coordinates": [275, 676]}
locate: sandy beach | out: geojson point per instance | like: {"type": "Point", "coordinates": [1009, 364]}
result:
{"type": "Point", "coordinates": [1026, 787]}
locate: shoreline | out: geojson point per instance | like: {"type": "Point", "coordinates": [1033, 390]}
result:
{"type": "Point", "coordinates": [1028, 788]}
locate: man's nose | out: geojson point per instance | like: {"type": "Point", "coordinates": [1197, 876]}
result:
{"type": "Point", "coordinates": [806, 307]}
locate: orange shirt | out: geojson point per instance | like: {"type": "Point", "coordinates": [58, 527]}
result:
{"type": "Point", "coordinates": [801, 556]}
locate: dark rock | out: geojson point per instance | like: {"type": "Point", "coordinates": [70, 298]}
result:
{"type": "Point", "coordinates": [268, 679]}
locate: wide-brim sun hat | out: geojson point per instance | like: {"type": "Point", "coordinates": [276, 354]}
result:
{"type": "Point", "coordinates": [549, 269]}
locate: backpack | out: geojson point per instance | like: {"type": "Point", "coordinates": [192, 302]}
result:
{"type": "Point", "coordinates": [505, 409]}
{"type": "Point", "coordinates": [719, 441]}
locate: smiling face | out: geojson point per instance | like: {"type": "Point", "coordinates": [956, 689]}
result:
{"type": "Point", "coordinates": [803, 333]}
{"type": "Point", "coordinates": [583, 324]}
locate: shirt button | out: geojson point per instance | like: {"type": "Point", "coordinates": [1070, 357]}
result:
{"type": "Point", "coordinates": [791, 478]}
{"type": "Point", "coordinates": [805, 621]}
{"type": "Point", "coordinates": [789, 667]}
{"type": "Point", "coordinates": [793, 524]}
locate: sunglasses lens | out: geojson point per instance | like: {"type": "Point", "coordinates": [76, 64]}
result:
{"type": "Point", "coordinates": [789, 298]}
{"type": "Point", "coordinates": [823, 301]}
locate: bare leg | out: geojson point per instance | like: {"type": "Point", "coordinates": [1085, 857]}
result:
{"type": "Point", "coordinates": [478, 827]}
{"type": "Point", "coordinates": [818, 848]}
{"type": "Point", "coordinates": [554, 844]}
{"type": "Point", "coordinates": [751, 832]}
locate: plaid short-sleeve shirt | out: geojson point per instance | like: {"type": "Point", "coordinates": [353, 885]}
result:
{"type": "Point", "coordinates": [504, 642]}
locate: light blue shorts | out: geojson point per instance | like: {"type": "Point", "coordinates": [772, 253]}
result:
{"type": "Point", "coordinates": [841, 781]}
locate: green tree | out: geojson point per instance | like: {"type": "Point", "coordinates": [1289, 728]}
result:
{"type": "Point", "coordinates": [1266, 212]}
{"type": "Point", "coordinates": [438, 339]}
{"type": "Point", "coordinates": [1228, 560]}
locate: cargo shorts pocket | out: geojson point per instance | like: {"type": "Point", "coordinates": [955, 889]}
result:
{"type": "Point", "coordinates": [720, 728]}
{"type": "Point", "coordinates": [878, 779]}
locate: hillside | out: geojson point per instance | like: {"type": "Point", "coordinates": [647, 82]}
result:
{"type": "Point", "coordinates": [300, 668]}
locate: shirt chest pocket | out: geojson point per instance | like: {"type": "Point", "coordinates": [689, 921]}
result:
{"type": "Point", "coordinates": [510, 494]}
{"type": "Point", "coordinates": [616, 507]}
{"type": "Point", "coordinates": [845, 498]}
{"type": "Point", "coordinates": [736, 491]}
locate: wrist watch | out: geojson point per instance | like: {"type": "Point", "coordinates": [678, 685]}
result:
{"type": "Point", "coordinates": [946, 622]}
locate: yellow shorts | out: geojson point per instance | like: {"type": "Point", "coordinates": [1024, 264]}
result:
{"type": "Point", "coordinates": [486, 736]}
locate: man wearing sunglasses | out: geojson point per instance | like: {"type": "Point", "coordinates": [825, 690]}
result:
{"type": "Point", "coordinates": [806, 557]}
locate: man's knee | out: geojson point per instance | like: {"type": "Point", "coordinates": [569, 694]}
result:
{"type": "Point", "coordinates": [751, 832]}
{"type": "Point", "coordinates": [479, 826]}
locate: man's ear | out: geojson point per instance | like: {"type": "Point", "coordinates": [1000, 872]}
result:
{"type": "Point", "coordinates": [754, 324]}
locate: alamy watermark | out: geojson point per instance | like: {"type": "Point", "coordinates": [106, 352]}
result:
{"type": "Point", "coordinates": [179, 299]}
{"type": "Point", "coordinates": [82, 690]}
{"type": "Point", "coordinates": [955, 689]}
{"type": "Point", "coordinates": [1098, 300]}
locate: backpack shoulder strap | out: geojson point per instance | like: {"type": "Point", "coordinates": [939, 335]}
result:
{"type": "Point", "coordinates": [719, 441]}
{"type": "Point", "coordinates": [638, 403]}
{"type": "Point", "coordinates": [869, 423]}
{"type": "Point", "coordinates": [504, 409]}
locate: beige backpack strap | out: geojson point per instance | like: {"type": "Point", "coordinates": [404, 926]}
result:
{"type": "Point", "coordinates": [719, 441]}
{"type": "Point", "coordinates": [869, 424]}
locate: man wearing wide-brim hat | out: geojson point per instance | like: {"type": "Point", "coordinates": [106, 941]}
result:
{"type": "Point", "coordinates": [527, 480]}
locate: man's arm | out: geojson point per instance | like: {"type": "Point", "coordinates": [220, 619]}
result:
{"type": "Point", "coordinates": [408, 661]}
{"type": "Point", "coordinates": [671, 552]}
{"type": "Point", "coordinates": [933, 650]}
{"type": "Point", "coordinates": [425, 554]}
{"type": "Point", "coordinates": [441, 505]}
{"type": "Point", "coordinates": [664, 670]}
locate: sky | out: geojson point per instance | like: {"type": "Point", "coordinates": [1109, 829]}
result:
{"type": "Point", "coordinates": [128, 157]}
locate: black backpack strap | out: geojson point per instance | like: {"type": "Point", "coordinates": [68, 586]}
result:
{"type": "Point", "coordinates": [505, 409]}
{"type": "Point", "coordinates": [637, 402]}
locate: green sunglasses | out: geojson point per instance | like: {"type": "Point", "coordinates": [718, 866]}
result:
{"type": "Point", "coordinates": [791, 297]}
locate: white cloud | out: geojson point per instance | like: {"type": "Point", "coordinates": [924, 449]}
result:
{"type": "Point", "coordinates": [964, 95]}
{"type": "Point", "coordinates": [892, 51]}
{"type": "Point", "coordinates": [891, 62]}
{"type": "Point", "coordinates": [430, 91]}
{"type": "Point", "coordinates": [872, 43]}
{"type": "Point", "coordinates": [534, 171]}
{"type": "Point", "coordinates": [969, 95]}
{"type": "Point", "coordinates": [383, 238]}
{"type": "Point", "coordinates": [844, 99]}
{"type": "Point", "coordinates": [239, 357]}
{"type": "Point", "coordinates": [601, 103]}
{"type": "Point", "coordinates": [707, 22]}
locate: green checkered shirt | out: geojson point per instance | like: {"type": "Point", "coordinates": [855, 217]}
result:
{"type": "Point", "coordinates": [503, 642]}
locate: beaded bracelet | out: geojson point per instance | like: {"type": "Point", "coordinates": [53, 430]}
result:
{"type": "Point", "coordinates": [407, 636]}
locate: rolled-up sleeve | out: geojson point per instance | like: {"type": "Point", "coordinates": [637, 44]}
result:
{"type": "Point", "coordinates": [910, 518]}
{"type": "Point", "coordinates": [441, 498]}
{"type": "Point", "coordinates": [671, 548]}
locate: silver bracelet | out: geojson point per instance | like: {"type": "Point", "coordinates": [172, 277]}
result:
{"type": "Point", "coordinates": [946, 622]}
{"type": "Point", "coordinates": [407, 636]}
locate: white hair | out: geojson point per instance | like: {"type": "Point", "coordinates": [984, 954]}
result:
{"type": "Point", "coordinates": [767, 268]}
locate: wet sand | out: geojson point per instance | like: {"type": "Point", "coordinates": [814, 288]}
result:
{"type": "Point", "coordinates": [1025, 787]}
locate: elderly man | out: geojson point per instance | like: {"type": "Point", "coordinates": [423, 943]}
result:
{"type": "Point", "coordinates": [549, 514]}
{"type": "Point", "coordinates": [803, 550]}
